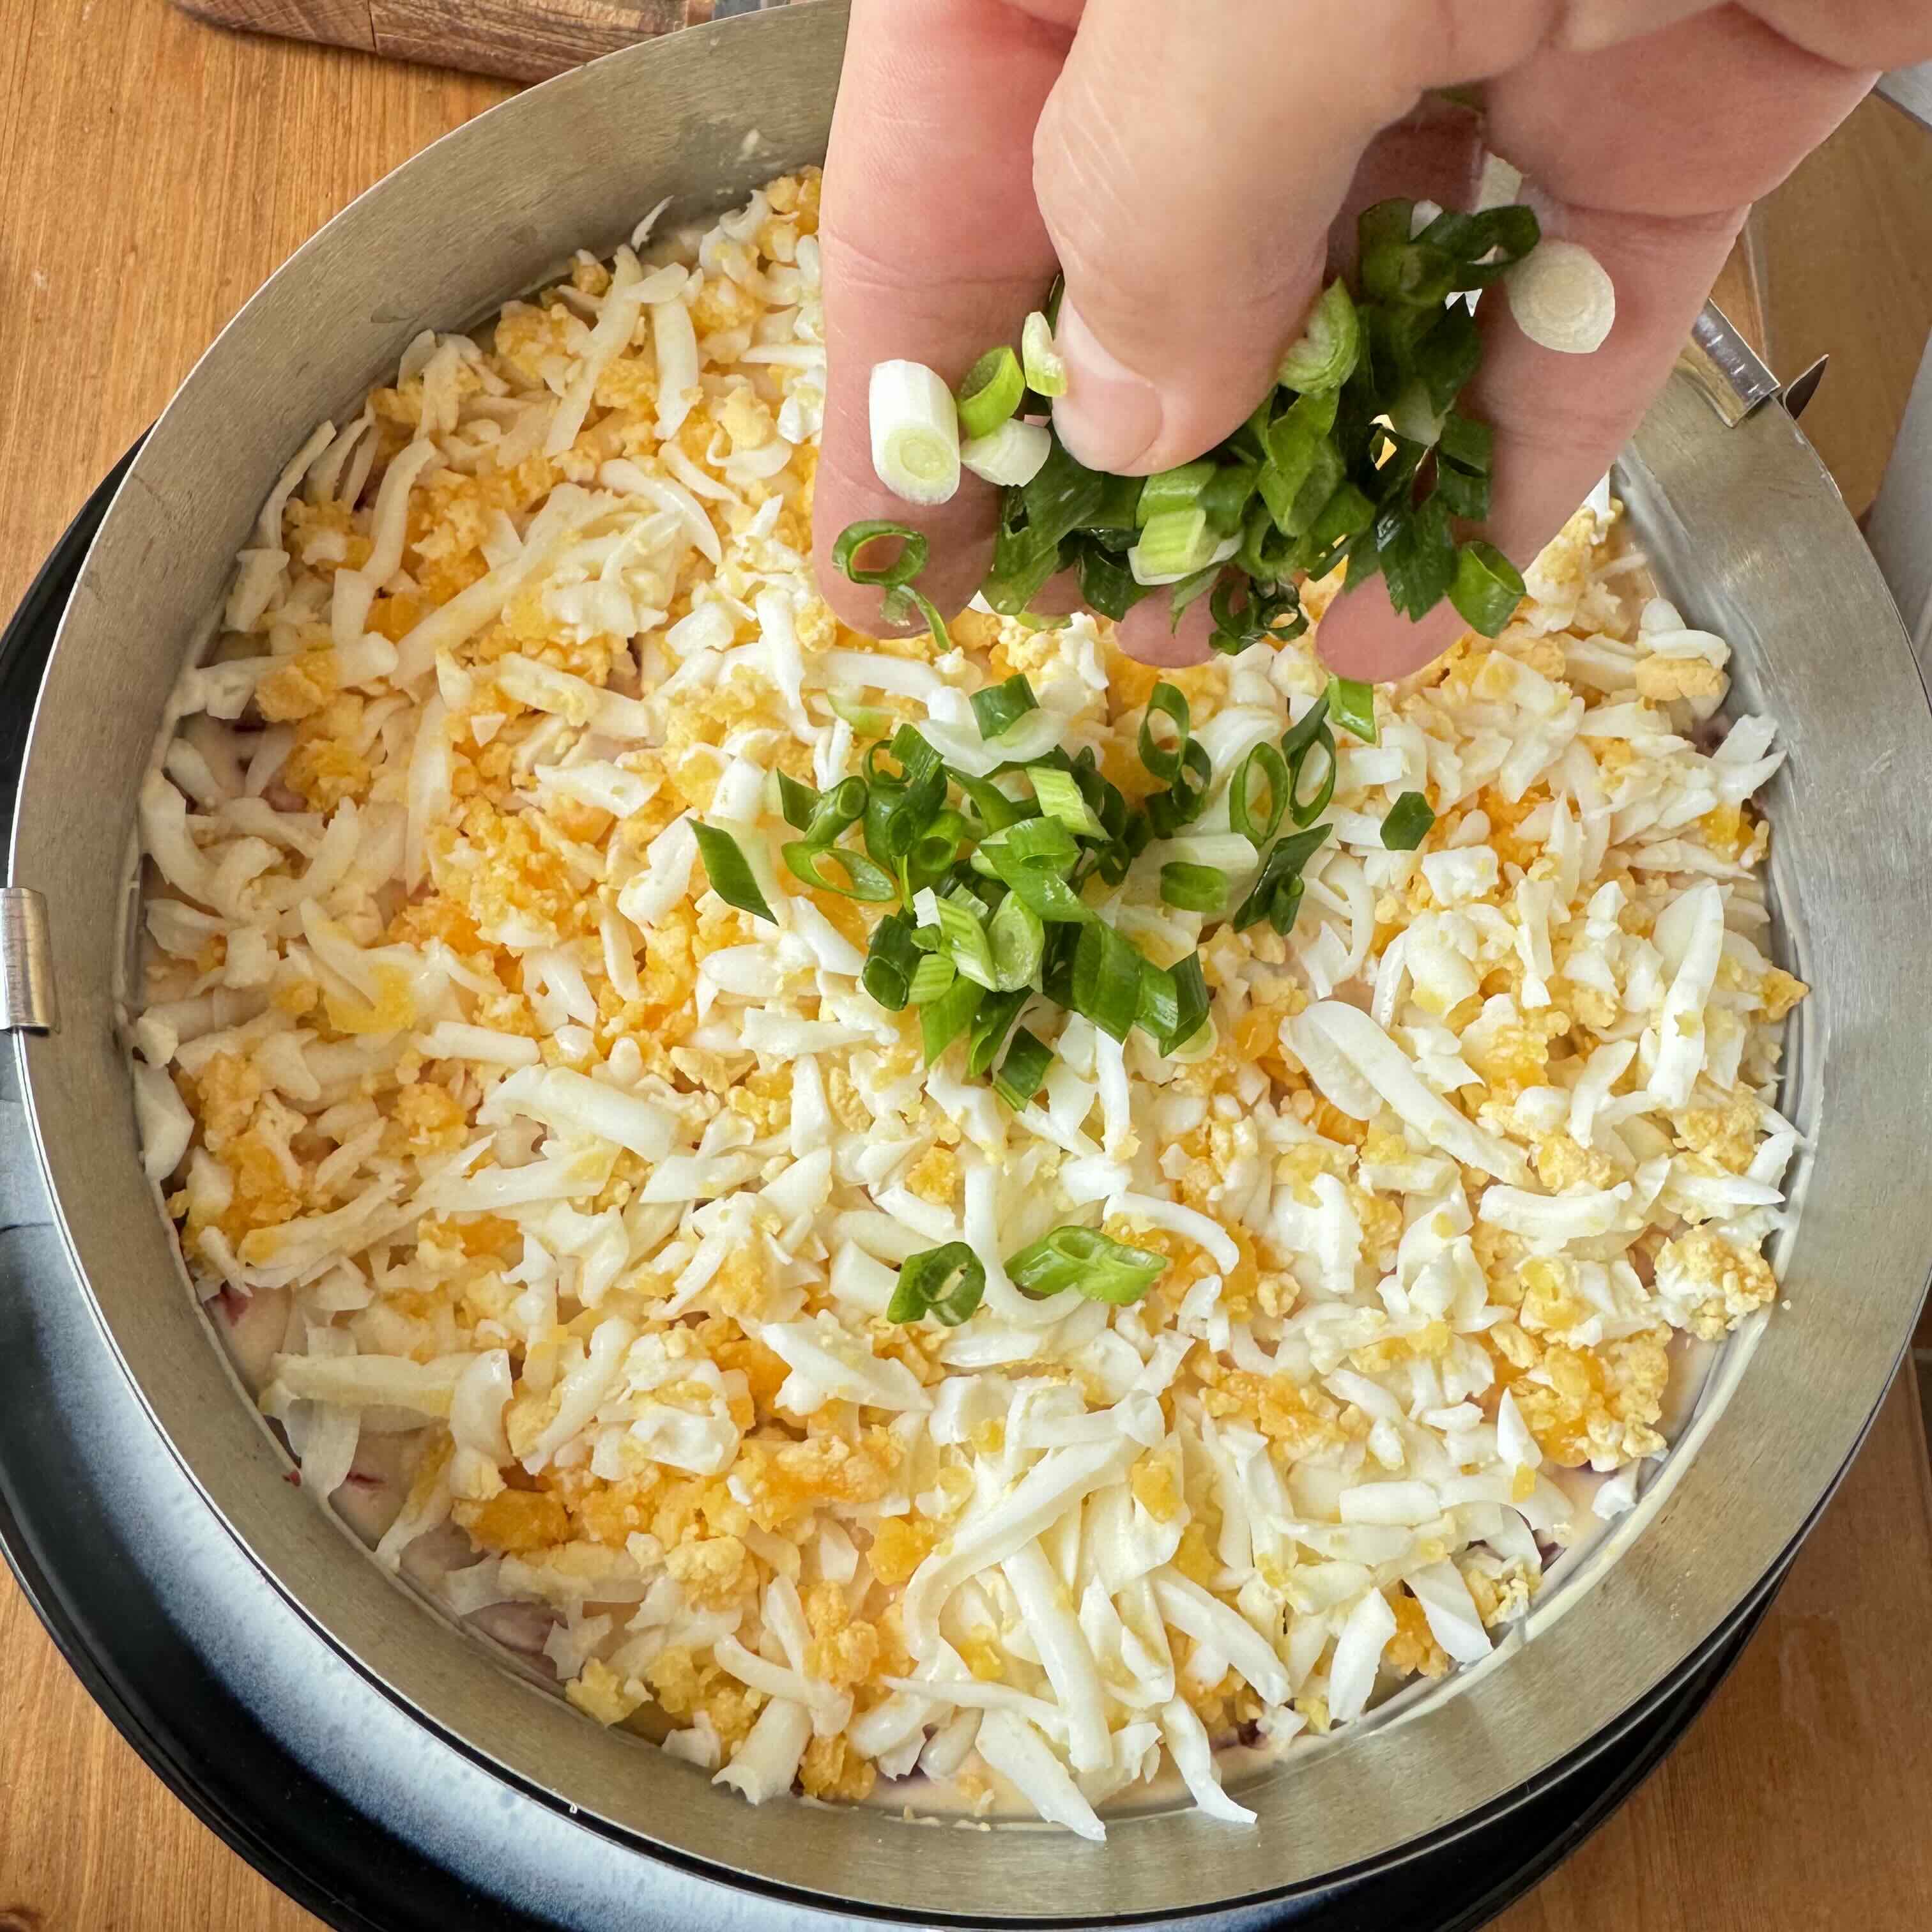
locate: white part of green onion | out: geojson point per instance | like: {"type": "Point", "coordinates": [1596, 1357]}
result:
{"type": "Point", "coordinates": [915, 425]}
{"type": "Point", "coordinates": [1562, 298]}
{"type": "Point", "coordinates": [1013, 454]}
{"type": "Point", "coordinates": [1157, 569]}
{"type": "Point", "coordinates": [1045, 370]}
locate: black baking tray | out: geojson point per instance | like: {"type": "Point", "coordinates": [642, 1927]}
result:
{"type": "Point", "coordinates": [335, 1793]}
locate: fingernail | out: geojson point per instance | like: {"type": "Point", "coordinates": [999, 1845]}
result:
{"type": "Point", "coordinates": [1109, 417]}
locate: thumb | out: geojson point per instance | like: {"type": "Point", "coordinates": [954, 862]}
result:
{"type": "Point", "coordinates": [1191, 256]}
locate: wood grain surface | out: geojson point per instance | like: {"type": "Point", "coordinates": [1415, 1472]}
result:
{"type": "Point", "coordinates": [152, 171]}
{"type": "Point", "coordinates": [526, 39]}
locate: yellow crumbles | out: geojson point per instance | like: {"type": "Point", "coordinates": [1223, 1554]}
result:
{"type": "Point", "coordinates": [554, 1205]}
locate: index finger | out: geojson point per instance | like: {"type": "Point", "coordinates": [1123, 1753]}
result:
{"type": "Point", "coordinates": [932, 249]}
{"type": "Point", "coordinates": [1649, 154]}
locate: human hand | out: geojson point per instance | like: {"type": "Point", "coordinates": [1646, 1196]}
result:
{"type": "Point", "coordinates": [1193, 170]}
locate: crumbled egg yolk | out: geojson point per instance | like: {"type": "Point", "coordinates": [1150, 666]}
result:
{"type": "Point", "coordinates": [516, 888]}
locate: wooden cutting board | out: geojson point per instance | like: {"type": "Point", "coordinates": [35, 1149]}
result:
{"type": "Point", "coordinates": [522, 40]}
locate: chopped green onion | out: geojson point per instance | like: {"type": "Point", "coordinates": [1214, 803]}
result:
{"type": "Point", "coordinates": [1045, 373]}
{"type": "Point", "coordinates": [1285, 904]}
{"type": "Point", "coordinates": [1417, 554]}
{"type": "Point", "coordinates": [1104, 978]}
{"type": "Point", "coordinates": [1037, 882]}
{"type": "Point", "coordinates": [1408, 823]}
{"type": "Point", "coordinates": [867, 720]}
{"type": "Point", "coordinates": [729, 871]}
{"type": "Point", "coordinates": [966, 940]}
{"type": "Point", "coordinates": [866, 880]}
{"type": "Point", "coordinates": [1272, 766]}
{"type": "Point", "coordinates": [1107, 584]}
{"type": "Point", "coordinates": [1039, 841]}
{"type": "Point", "coordinates": [1003, 704]}
{"type": "Point", "coordinates": [1280, 872]}
{"type": "Point", "coordinates": [1324, 356]}
{"type": "Point", "coordinates": [1168, 701]}
{"type": "Point", "coordinates": [1304, 732]}
{"type": "Point", "coordinates": [1351, 704]}
{"type": "Point", "coordinates": [933, 974]}
{"type": "Point", "coordinates": [944, 1019]}
{"type": "Point", "coordinates": [1487, 588]}
{"type": "Point", "coordinates": [992, 1023]}
{"type": "Point", "coordinates": [1012, 456]}
{"type": "Point", "coordinates": [796, 801]}
{"type": "Point", "coordinates": [892, 960]}
{"type": "Point", "coordinates": [1306, 811]}
{"type": "Point", "coordinates": [1102, 1268]}
{"type": "Point", "coordinates": [903, 598]}
{"type": "Point", "coordinates": [1466, 443]}
{"type": "Point", "coordinates": [1562, 298]}
{"type": "Point", "coordinates": [946, 1283]}
{"type": "Point", "coordinates": [915, 426]}
{"type": "Point", "coordinates": [1178, 489]}
{"type": "Point", "coordinates": [996, 810]}
{"type": "Point", "coordinates": [1023, 1073]}
{"type": "Point", "coordinates": [1017, 935]}
{"type": "Point", "coordinates": [1177, 544]}
{"type": "Point", "coordinates": [1060, 799]}
{"type": "Point", "coordinates": [832, 812]}
{"type": "Point", "coordinates": [1413, 415]}
{"type": "Point", "coordinates": [1190, 988]}
{"type": "Point", "coordinates": [1193, 888]}
{"type": "Point", "coordinates": [990, 393]}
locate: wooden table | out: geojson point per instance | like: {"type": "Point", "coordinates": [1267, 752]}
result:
{"type": "Point", "coordinates": [152, 171]}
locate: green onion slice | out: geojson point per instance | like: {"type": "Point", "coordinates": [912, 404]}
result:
{"type": "Point", "coordinates": [1003, 704]}
{"type": "Point", "coordinates": [944, 1019]}
{"type": "Point", "coordinates": [796, 801]}
{"type": "Point", "coordinates": [992, 1022]}
{"type": "Point", "coordinates": [1408, 823]}
{"type": "Point", "coordinates": [729, 871]}
{"type": "Point", "coordinates": [891, 961]}
{"type": "Point", "coordinates": [1281, 871]}
{"type": "Point", "coordinates": [996, 810]}
{"type": "Point", "coordinates": [1170, 702]}
{"type": "Point", "coordinates": [1061, 799]}
{"type": "Point", "coordinates": [1102, 1268]}
{"type": "Point", "coordinates": [990, 393]}
{"type": "Point", "coordinates": [902, 598]}
{"type": "Point", "coordinates": [1300, 735]}
{"type": "Point", "coordinates": [868, 721]}
{"type": "Point", "coordinates": [1045, 373]}
{"type": "Point", "coordinates": [1023, 1071]}
{"type": "Point", "coordinates": [1104, 978]}
{"type": "Point", "coordinates": [1017, 935]}
{"type": "Point", "coordinates": [966, 940]}
{"type": "Point", "coordinates": [1169, 490]}
{"type": "Point", "coordinates": [1324, 354]}
{"type": "Point", "coordinates": [1269, 764]}
{"type": "Point", "coordinates": [1487, 588]}
{"type": "Point", "coordinates": [946, 1283]}
{"type": "Point", "coordinates": [1351, 704]}
{"type": "Point", "coordinates": [1306, 811]}
{"type": "Point", "coordinates": [1193, 888]}
{"type": "Point", "coordinates": [1190, 988]}
{"type": "Point", "coordinates": [865, 880]}
{"type": "Point", "coordinates": [933, 974]}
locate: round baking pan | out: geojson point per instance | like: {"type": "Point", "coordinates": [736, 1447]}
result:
{"type": "Point", "coordinates": [399, 1717]}
{"type": "Point", "coordinates": [316, 1779]}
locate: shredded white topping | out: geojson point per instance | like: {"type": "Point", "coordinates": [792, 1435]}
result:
{"type": "Point", "coordinates": [554, 1207]}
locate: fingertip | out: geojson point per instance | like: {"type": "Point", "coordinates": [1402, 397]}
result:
{"type": "Point", "coordinates": [1362, 635]}
{"type": "Point", "coordinates": [1148, 633]}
